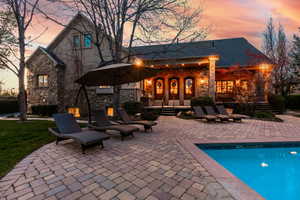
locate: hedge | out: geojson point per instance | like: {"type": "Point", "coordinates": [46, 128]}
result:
{"type": "Point", "coordinates": [44, 110]}
{"type": "Point", "coordinates": [292, 102]}
{"type": "Point", "coordinates": [277, 102]}
{"type": "Point", "coordinates": [202, 101]}
{"type": "Point", "coordinates": [8, 106]}
{"type": "Point", "coordinates": [133, 107]}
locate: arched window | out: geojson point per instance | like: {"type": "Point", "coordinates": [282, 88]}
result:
{"type": "Point", "coordinates": [174, 88]}
{"type": "Point", "coordinates": [159, 88]}
{"type": "Point", "coordinates": [189, 87]}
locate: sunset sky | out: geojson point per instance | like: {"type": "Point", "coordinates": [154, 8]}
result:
{"type": "Point", "coordinates": [226, 18]}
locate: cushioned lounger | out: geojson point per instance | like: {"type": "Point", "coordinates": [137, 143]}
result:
{"type": "Point", "coordinates": [68, 128]}
{"type": "Point", "coordinates": [102, 124]}
{"type": "Point", "coordinates": [126, 120]}
{"type": "Point", "coordinates": [200, 114]}
{"type": "Point", "coordinates": [236, 117]}
{"type": "Point", "coordinates": [210, 110]}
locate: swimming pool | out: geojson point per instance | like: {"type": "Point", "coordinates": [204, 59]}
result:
{"type": "Point", "coordinates": [271, 169]}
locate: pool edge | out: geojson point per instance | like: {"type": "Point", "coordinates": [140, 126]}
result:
{"type": "Point", "coordinates": [237, 188]}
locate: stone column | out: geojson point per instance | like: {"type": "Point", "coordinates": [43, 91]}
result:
{"type": "Point", "coordinates": [166, 89]}
{"type": "Point", "coordinates": [181, 91]}
{"type": "Point", "coordinates": [212, 76]}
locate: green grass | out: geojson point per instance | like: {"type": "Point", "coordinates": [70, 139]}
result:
{"type": "Point", "coordinates": [17, 140]}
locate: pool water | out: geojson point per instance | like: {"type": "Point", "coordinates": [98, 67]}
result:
{"type": "Point", "coordinates": [273, 172]}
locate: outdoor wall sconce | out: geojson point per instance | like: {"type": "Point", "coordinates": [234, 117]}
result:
{"type": "Point", "coordinates": [202, 81]}
{"type": "Point", "coordinates": [74, 111]}
{"type": "Point", "coordinates": [264, 67]}
{"type": "Point", "coordinates": [110, 111]}
{"type": "Point", "coordinates": [138, 62]}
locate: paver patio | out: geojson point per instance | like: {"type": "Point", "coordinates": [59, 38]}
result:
{"type": "Point", "coordinates": [150, 166]}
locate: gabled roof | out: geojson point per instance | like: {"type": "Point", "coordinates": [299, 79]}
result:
{"type": "Point", "coordinates": [232, 52]}
{"type": "Point", "coordinates": [56, 61]}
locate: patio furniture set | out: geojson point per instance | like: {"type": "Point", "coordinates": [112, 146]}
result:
{"type": "Point", "coordinates": [68, 128]}
{"type": "Point", "coordinates": [212, 116]}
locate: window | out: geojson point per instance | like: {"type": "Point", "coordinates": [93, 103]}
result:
{"type": "Point", "coordinates": [244, 85]}
{"type": "Point", "coordinates": [76, 41]}
{"type": "Point", "coordinates": [104, 86]}
{"type": "Point", "coordinates": [42, 80]}
{"type": "Point", "coordinates": [189, 87]}
{"type": "Point", "coordinates": [174, 87]}
{"type": "Point", "coordinates": [159, 88]}
{"type": "Point", "coordinates": [87, 41]}
{"type": "Point", "coordinates": [224, 87]}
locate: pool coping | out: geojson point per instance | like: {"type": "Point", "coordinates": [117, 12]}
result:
{"type": "Point", "coordinates": [231, 183]}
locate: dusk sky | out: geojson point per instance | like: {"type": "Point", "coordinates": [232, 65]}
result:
{"type": "Point", "coordinates": [227, 18]}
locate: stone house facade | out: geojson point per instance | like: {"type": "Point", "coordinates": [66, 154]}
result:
{"type": "Point", "coordinates": [215, 68]}
{"type": "Point", "coordinates": [61, 63]}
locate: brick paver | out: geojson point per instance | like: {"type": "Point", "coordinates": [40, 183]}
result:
{"type": "Point", "coordinates": [150, 166]}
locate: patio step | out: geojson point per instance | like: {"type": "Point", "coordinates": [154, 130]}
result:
{"type": "Point", "coordinates": [168, 112]}
{"type": "Point", "coordinates": [265, 107]}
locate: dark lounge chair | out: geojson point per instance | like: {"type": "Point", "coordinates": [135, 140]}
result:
{"type": "Point", "coordinates": [201, 115]}
{"type": "Point", "coordinates": [68, 128]}
{"type": "Point", "coordinates": [210, 110]}
{"type": "Point", "coordinates": [102, 123]}
{"type": "Point", "coordinates": [236, 117]}
{"type": "Point", "coordinates": [126, 120]}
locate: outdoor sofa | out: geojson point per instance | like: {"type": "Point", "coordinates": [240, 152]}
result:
{"type": "Point", "coordinates": [125, 119]}
{"type": "Point", "coordinates": [68, 128]}
{"type": "Point", "coordinates": [102, 123]}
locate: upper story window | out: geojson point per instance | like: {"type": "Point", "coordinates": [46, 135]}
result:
{"type": "Point", "coordinates": [42, 81]}
{"type": "Point", "coordinates": [76, 41]}
{"type": "Point", "coordinates": [87, 40]}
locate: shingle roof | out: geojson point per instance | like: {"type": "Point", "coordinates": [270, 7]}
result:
{"type": "Point", "coordinates": [232, 52]}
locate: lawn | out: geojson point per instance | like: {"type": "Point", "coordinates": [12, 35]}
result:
{"type": "Point", "coordinates": [17, 140]}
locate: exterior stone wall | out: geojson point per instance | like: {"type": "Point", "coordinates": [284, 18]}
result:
{"type": "Point", "coordinates": [42, 95]}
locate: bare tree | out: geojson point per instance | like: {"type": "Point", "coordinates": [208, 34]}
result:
{"type": "Point", "coordinates": [23, 12]}
{"type": "Point", "coordinates": [276, 47]}
{"type": "Point", "coordinates": [120, 24]}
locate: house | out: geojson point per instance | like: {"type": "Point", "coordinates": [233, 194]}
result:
{"type": "Point", "coordinates": [227, 70]}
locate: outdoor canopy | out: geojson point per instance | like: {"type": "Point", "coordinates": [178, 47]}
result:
{"type": "Point", "coordinates": [116, 74]}
{"type": "Point", "coordinates": [112, 75]}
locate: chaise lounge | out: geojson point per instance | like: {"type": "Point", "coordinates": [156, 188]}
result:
{"type": "Point", "coordinates": [102, 123]}
{"type": "Point", "coordinates": [210, 110]}
{"type": "Point", "coordinates": [201, 115]}
{"type": "Point", "coordinates": [126, 120]}
{"type": "Point", "coordinates": [68, 128]}
{"type": "Point", "coordinates": [236, 117]}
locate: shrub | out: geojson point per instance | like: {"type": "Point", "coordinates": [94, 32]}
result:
{"type": "Point", "coordinates": [245, 109]}
{"type": "Point", "coordinates": [292, 102]}
{"type": "Point", "coordinates": [9, 106]}
{"type": "Point", "coordinates": [264, 115]}
{"type": "Point", "coordinates": [277, 102]}
{"type": "Point", "coordinates": [202, 101]}
{"type": "Point", "coordinates": [133, 107]}
{"type": "Point", "coordinates": [150, 115]}
{"type": "Point", "coordinates": [44, 110]}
